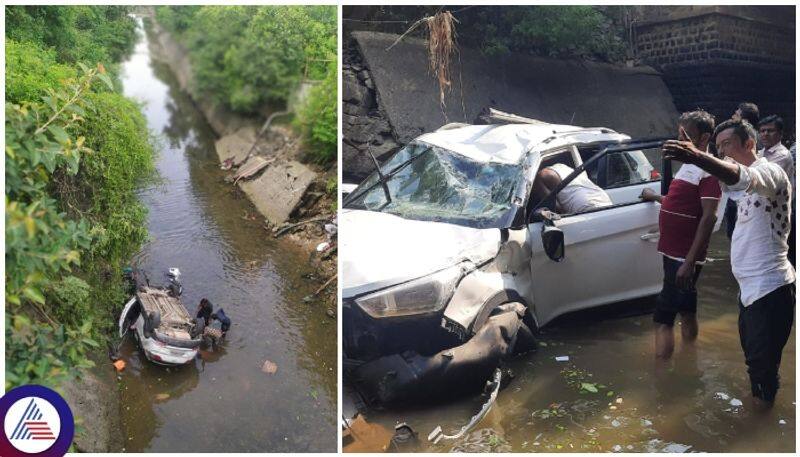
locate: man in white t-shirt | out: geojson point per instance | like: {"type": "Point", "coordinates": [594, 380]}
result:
{"type": "Point", "coordinates": [580, 195]}
{"type": "Point", "coordinates": [758, 247]}
{"type": "Point", "coordinates": [770, 130]}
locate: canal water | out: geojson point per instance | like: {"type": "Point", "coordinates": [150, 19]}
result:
{"type": "Point", "coordinates": [611, 396]}
{"type": "Point", "coordinates": [223, 402]}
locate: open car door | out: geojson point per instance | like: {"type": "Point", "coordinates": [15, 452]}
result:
{"type": "Point", "coordinates": [609, 253]}
{"type": "Point", "coordinates": [129, 315]}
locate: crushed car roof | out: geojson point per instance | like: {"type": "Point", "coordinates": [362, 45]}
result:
{"type": "Point", "coordinates": [503, 143]}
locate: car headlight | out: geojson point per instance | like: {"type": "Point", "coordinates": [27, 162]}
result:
{"type": "Point", "coordinates": [428, 294]}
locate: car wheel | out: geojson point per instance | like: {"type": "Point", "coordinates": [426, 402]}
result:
{"type": "Point", "coordinates": [525, 341]}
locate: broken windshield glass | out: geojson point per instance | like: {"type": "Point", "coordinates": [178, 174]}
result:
{"type": "Point", "coordinates": [440, 185]}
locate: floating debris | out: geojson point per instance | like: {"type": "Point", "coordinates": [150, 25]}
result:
{"type": "Point", "coordinates": [736, 402]}
{"type": "Point", "coordinates": [562, 358]}
{"type": "Point", "coordinates": [722, 396]}
{"type": "Point", "coordinates": [782, 422]}
{"type": "Point", "coordinates": [615, 423]}
{"type": "Point", "coordinates": [269, 367]}
{"type": "Point", "coordinates": [162, 397]}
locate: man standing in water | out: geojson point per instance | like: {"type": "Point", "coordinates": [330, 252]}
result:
{"type": "Point", "coordinates": [758, 247]}
{"type": "Point", "coordinates": [686, 220]}
{"type": "Point", "coordinates": [746, 111]}
{"type": "Point", "coordinates": [770, 129]}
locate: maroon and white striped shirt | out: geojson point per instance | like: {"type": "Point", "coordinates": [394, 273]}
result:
{"type": "Point", "coordinates": [681, 210]}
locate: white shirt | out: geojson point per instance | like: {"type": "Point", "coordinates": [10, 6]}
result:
{"type": "Point", "coordinates": [581, 194]}
{"type": "Point", "coordinates": [780, 155]}
{"type": "Point", "coordinates": [759, 243]}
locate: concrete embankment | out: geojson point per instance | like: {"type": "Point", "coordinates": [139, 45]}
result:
{"type": "Point", "coordinates": [390, 97]}
{"type": "Point", "coordinates": [280, 190]}
{"type": "Point", "coordinates": [93, 398]}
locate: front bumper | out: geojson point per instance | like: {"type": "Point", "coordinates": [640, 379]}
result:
{"type": "Point", "coordinates": [410, 377]}
{"type": "Point", "coordinates": [166, 355]}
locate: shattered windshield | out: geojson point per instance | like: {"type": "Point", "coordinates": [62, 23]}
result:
{"type": "Point", "coordinates": [434, 184]}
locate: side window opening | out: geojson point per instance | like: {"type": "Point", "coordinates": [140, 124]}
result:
{"type": "Point", "coordinates": [623, 168]}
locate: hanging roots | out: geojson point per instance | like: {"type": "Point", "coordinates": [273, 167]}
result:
{"type": "Point", "coordinates": [441, 45]}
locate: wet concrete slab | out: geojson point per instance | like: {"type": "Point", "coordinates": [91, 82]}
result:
{"type": "Point", "coordinates": [279, 189]}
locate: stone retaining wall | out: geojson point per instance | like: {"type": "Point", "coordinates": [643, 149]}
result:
{"type": "Point", "coordinates": [715, 57]}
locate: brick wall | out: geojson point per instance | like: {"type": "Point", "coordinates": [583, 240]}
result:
{"type": "Point", "coordinates": [714, 60]}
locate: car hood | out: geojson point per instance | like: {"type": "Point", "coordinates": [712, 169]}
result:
{"type": "Point", "coordinates": [381, 249]}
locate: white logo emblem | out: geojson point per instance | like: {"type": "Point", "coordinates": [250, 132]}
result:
{"type": "Point", "coordinates": [32, 425]}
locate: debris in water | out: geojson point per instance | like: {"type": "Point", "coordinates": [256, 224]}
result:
{"type": "Point", "coordinates": [119, 365]}
{"type": "Point", "coordinates": [782, 422]}
{"type": "Point", "coordinates": [675, 448]}
{"type": "Point", "coordinates": [617, 448]}
{"type": "Point", "coordinates": [619, 400]}
{"type": "Point", "coordinates": [361, 436]}
{"type": "Point", "coordinates": [162, 397]}
{"type": "Point", "coordinates": [562, 358]}
{"type": "Point", "coordinates": [330, 312]}
{"type": "Point", "coordinates": [646, 423]}
{"type": "Point", "coordinates": [615, 423]}
{"type": "Point", "coordinates": [722, 396]}
{"type": "Point", "coordinates": [736, 402]}
{"type": "Point", "coordinates": [269, 367]}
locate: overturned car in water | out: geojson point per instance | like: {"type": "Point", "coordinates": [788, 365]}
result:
{"type": "Point", "coordinates": [165, 331]}
{"type": "Point", "coordinates": [452, 264]}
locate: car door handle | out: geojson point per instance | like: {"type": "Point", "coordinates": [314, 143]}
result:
{"type": "Point", "coordinates": [651, 236]}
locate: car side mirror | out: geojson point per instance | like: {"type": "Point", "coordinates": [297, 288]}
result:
{"type": "Point", "coordinates": [553, 242]}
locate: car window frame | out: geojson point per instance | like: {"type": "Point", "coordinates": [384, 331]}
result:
{"type": "Point", "coordinates": [614, 146]}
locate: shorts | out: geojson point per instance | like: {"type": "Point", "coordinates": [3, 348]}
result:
{"type": "Point", "coordinates": [672, 299]}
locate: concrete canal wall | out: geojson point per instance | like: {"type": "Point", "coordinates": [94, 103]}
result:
{"type": "Point", "coordinates": [390, 97]}
{"type": "Point", "coordinates": [280, 189]}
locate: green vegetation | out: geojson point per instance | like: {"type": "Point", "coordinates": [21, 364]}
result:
{"type": "Point", "coordinates": [562, 31]}
{"type": "Point", "coordinates": [559, 31]}
{"type": "Point", "coordinates": [75, 151]}
{"type": "Point", "coordinates": [250, 58]}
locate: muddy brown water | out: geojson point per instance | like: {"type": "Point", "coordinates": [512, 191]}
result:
{"type": "Point", "coordinates": [692, 404]}
{"type": "Point", "coordinates": [223, 402]}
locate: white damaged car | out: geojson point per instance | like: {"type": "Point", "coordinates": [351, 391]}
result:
{"type": "Point", "coordinates": [449, 263]}
{"type": "Point", "coordinates": [165, 331]}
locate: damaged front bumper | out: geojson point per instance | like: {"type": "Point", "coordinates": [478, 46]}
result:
{"type": "Point", "coordinates": [411, 377]}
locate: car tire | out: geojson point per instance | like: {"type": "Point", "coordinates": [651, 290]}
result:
{"type": "Point", "coordinates": [525, 341]}
{"type": "Point", "coordinates": [199, 327]}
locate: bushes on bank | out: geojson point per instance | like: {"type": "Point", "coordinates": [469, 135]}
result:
{"type": "Point", "coordinates": [317, 119]}
{"type": "Point", "coordinates": [97, 33]}
{"type": "Point", "coordinates": [75, 151]}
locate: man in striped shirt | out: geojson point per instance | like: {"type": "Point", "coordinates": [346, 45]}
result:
{"type": "Point", "coordinates": [685, 222]}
